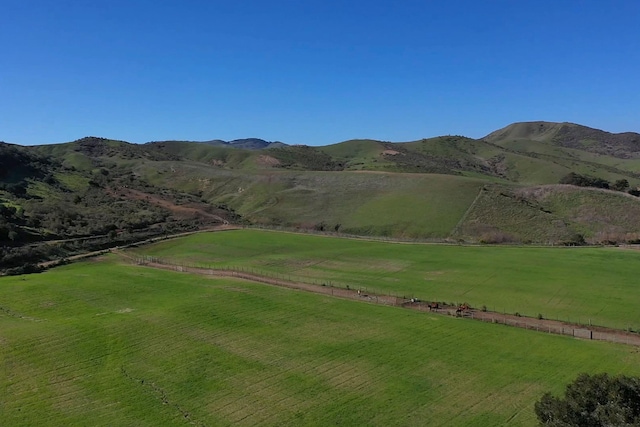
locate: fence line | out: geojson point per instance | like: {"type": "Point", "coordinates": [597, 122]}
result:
{"type": "Point", "coordinates": [329, 287]}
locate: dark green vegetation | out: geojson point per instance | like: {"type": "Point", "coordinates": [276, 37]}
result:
{"type": "Point", "coordinates": [593, 400]}
{"type": "Point", "coordinates": [94, 192]}
{"type": "Point", "coordinates": [597, 285]}
{"type": "Point", "coordinates": [100, 343]}
{"type": "Point", "coordinates": [59, 200]}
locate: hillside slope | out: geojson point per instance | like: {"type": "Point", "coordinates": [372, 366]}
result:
{"type": "Point", "coordinates": [570, 135]}
{"type": "Point", "coordinates": [96, 192]}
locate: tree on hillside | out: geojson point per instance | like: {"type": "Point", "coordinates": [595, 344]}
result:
{"type": "Point", "coordinates": [584, 180]}
{"type": "Point", "coordinates": [620, 185]}
{"type": "Point", "coordinates": [593, 401]}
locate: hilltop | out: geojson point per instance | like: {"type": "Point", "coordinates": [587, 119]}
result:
{"type": "Point", "coordinates": [96, 192]}
{"type": "Point", "coordinates": [570, 135]}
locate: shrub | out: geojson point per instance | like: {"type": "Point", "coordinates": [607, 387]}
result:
{"type": "Point", "coordinates": [620, 185]}
{"type": "Point", "coordinates": [584, 180]}
{"type": "Point", "coordinates": [496, 236]}
{"type": "Point", "coordinates": [593, 400]}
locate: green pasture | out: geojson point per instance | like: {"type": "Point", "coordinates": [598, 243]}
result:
{"type": "Point", "coordinates": [103, 344]}
{"type": "Point", "coordinates": [575, 284]}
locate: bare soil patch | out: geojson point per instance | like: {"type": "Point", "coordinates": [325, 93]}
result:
{"type": "Point", "coordinates": [264, 160]}
{"type": "Point", "coordinates": [391, 152]}
{"type": "Point", "coordinates": [188, 211]}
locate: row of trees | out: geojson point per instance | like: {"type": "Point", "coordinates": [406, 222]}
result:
{"type": "Point", "coordinates": [594, 181]}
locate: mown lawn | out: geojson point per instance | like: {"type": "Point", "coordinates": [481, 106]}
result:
{"type": "Point", "coordinates": [575, 284]}
{"type": "Point", "coordinates": [100, 343]}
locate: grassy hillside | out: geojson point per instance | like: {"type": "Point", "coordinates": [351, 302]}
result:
{"type": "Point", "coordinates": [556, 214]}
{"type": "Point", "coordinates": [421, 189]}
{"type": "Point", "coordinates": [565, 283]}
{"type": "Point", "coordinates": [361, 154]}
{"type": "Point", "coordinates": [103, 344]}
{"type": "Point", "coordinates": [534, 131]}
{"type": "Point", "coordinates": [364, 202]}
{"type": "Point", "coordinates": [380, 204]}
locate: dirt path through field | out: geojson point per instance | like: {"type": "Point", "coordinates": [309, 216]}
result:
{"type": "Point", "coordinates": [543, 325]}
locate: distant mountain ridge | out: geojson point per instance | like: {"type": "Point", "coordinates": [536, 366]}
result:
{"type": "Point", "coordinates": [244, 143]}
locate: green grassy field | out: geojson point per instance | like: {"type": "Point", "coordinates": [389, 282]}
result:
{"type": "Point", "coordinates": [99, 343]}
{"type": "Point", "coordinates": [576, 284]}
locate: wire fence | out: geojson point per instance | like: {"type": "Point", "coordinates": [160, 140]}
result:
{"type": "Point", "coordinates": [336, 288]}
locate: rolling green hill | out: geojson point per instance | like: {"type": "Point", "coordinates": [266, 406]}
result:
{"type": "Point", "coordinates": [446, 188]}
{"type": "Point", "coordinates": [571, 135]}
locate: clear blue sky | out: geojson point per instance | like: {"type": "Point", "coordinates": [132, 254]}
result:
{"type": "Point", "coordinates": [313, 72]}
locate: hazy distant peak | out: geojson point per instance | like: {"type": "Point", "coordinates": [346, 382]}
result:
{"type": "Point", "coordinates": [252, 143]}
{"type": "Point", "coordinates": [244, 143]}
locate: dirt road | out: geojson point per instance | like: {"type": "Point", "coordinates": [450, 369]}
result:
{"type": "Point", "coordinates": [543, 325]}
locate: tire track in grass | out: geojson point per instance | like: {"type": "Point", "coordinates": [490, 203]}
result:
{"type": "Point", "coordinates": [452, 385]}
{"type": "Point", "coordinates": [265, 384]}
{"type": "Point", "coordinates": [336, 377]}
{"type": "Point", "coordinates": [240, 408]}
{"type": "Point", "coordinates": [468, 392]}
{"type": "Point", "coordinates": [520, 410]}
{"type": "Point", "coordinates": [459, 395]}
{"type": "Point", "coordinates": [266, 403]}
{"type": "Point", "coordinates": [278, 376]}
